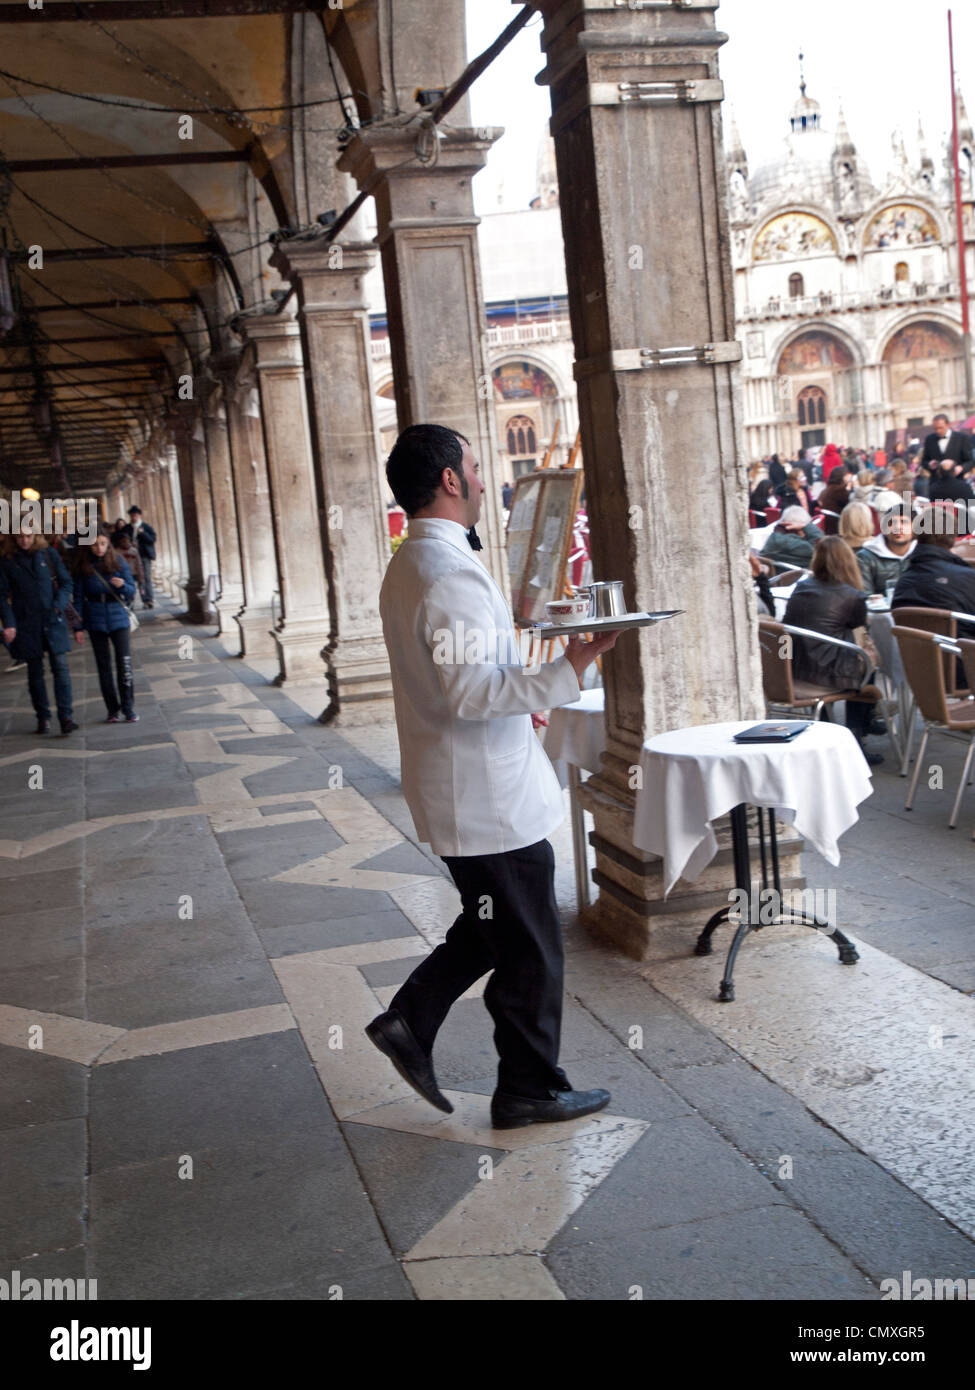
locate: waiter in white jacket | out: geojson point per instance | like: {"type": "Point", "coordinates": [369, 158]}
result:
{"type": "Point", "coordinates": [481, 791]}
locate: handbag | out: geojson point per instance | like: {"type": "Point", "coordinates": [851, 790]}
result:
{"type": "Point", "coordinates": [133, 620]}
{"type": "Point", "coordinates": [866, 644]}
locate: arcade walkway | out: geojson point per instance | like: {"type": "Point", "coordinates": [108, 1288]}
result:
{"type": "Point", "coordinates": [201, 910]}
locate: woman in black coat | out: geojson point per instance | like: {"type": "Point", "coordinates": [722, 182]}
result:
{"type": "Point", "coordinates": [35, 590]}
{"type": "Point", "coordinates": [832, 602]}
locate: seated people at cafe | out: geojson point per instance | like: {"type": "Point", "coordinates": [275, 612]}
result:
{"type": "Point", "coordinates": [793, 539]}
{"type": "Point", "coordinates": [794, 492]}
{"type": "Point", "coordinates": [832, 602]}
{"type": "Point", "coordinates": [947, 486]}
{"type": "Point", "coordinates": [856, 525]}
{"type": "Point", "coordinates": [934, 577]}
{"type": "Point", "coordinates": [761, 497]}
{"type": "Point", "coordinates": [922, 482]}
{"type": "Point", "coordinates": [863, 486]}
{"type": "Point", "coordinates": [760, 580]}
{"type": "Point", "coordinates": [884, 493]}
{"type": "Point", "coordinates": [835, 496]}
{"type": "Point", "coordinates": [882, 558]}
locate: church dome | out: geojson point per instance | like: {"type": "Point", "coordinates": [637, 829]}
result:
{"type": "Point", "coordinates": [804, 172]}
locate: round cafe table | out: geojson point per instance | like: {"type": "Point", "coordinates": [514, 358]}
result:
{"type": "Point", "coordinates": [691, 777]}
{"type": "Point", "coordinates": [574, 740]}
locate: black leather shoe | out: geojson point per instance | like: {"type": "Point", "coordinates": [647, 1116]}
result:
{"type": "Point", "coordinates": [68, 726]}
{"type": "Point", "coordinates": [512, 1112]}
{"type": "Point", "coordinates": [392, 1035]}
{"type": "Point", "coordinates": [41, 726]}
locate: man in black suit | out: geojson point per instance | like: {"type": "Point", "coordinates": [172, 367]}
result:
{"type": "Point", "coordinates": [945, 445]}
{"type": "Point", "coordinates": [145, 539]}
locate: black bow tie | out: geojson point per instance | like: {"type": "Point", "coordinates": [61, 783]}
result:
{"type": "Point", "coordinates": [474, 540]}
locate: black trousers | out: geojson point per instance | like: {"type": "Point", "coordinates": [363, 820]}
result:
{"type": "Point", "coordinates": [62, 683]}
{"type": "Point", "coordinates": [101, 644]}
{"type": "Point", "coordinates": [509, 925]}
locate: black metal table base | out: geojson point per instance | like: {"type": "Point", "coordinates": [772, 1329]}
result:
{"type": "Point", "coordinates": [743, 881]}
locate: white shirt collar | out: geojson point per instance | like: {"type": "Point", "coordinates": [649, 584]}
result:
{"type": "Point", "coordinates": [439, 528]}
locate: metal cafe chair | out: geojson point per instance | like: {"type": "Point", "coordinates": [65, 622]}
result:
{"type": "Point", "coordinates": [944, 622]}
{"type": "Point", "coordinates": [782, 690]}
{"type": "Point", "coordinates": [922, 656]}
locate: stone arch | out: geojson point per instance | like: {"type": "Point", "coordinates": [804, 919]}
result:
{"type": "Point", "coordinates": [922, 363]}
{"type": "Point", "coordinates": [915, 318]}
{"type": "Point", "coordinates": [798, 211]}
{"type": "Point", "coordinates": [823, 327]}
{"type": "Point", "coordinates": [874, 219]}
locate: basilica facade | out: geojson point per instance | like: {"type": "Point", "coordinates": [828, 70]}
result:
{"type": "Point", "coordinates": [847, 293]}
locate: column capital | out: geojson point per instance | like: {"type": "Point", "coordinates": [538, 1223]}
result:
{"type": "Point", "coordinates": [327, 274]}
{"type": "Point", "coordinates": [421, 176]}
{"type": "Point", "coordinates": [275, 338]}
{"type": "Point", "coordinates": [615, 40]}
{"type": "Point", "coordinates": [182, 419]}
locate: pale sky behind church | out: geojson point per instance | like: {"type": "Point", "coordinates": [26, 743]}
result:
{"type": "Point", "coordinates": [886, 59]}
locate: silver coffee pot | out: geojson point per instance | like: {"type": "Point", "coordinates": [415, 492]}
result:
{"type": "Point", "coordinates": [606, 599]}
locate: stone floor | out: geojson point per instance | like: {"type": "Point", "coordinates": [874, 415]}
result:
{"type": "Point", "coordinates": [201, 910]}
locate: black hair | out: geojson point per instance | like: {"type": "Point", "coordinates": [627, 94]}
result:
{"type": "Point", "coordinates": [417, 461]}
{"type": "Point", "coordinates": [135, 509]}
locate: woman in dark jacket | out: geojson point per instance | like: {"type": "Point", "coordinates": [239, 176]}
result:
{"type": "Point", "coordinates": [831, 601]}
{"type": "Point", "coordinates": [835, 496]}
{"type": "Point", "coordinates": [103, 584]}
{"type": "Point", "coordinates": [35, 589]}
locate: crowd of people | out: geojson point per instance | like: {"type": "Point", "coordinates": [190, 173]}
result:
{"type": "Point", "coordinates": [851, 525]}
{"type": "Point", "coordinates": [55, 589]}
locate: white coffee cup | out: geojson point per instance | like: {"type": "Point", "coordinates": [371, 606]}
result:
{"type": "Point", "coordinates": [568, 610]}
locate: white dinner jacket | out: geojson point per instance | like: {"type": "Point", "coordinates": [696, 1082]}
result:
{"type": "Point", "coordinates": [475, 777]}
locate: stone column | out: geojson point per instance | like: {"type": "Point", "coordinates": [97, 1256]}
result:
{"type": "Point", "coordinates": [169, 552]}
{"type": "Point", "coordinates": [203, 492]}
{"type": "Point", "coordinates": [193, 584]}
{"type": "Point", "coordinates": [259, 565]}
{"type": "Point", "coordinates": [301, 632]}
{"type": "Point", "coordinates": [164, 501]}
{"type": "Point", "coordinates": [434, 300]}
{"type": "Point", "coordinates": [643, 197]}
{"type": "Point", "coordinates": [149, 502]}
{"type": "Point", "coordinates": [227, 523]}
{"type": "Point", "coordinates": [334, 320]}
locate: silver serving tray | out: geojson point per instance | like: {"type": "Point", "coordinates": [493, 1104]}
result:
{"type": "Point", "coordinates": [619, 621]}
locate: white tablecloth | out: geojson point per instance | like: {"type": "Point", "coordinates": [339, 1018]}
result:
{"type": "Point", "coordinates": [693, 776]}
{"type": "Point", "coordinates": [576, 734]}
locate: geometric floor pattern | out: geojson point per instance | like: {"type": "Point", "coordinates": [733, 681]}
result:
{"type": "Point", "coordinates": [201, 912]}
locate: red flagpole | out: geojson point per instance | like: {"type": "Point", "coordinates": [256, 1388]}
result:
{"type": "Point", "coordinates": [959, 222]}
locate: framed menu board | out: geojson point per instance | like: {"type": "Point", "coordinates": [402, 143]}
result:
{"type": "Point", "coordinates": [543, 511]}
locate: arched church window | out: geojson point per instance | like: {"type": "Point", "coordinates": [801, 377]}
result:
{"type": "Point", "coordinates": [797, 286]}
{"type": "Point", "coordinates": [812, 406]}
{"type": "Point", "coordinates": [521, 437]}
{"type": "Point", "coordinates": [901, 273]}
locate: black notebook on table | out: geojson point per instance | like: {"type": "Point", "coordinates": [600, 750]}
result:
{"type": "Point", "coordinates": [772, 732]}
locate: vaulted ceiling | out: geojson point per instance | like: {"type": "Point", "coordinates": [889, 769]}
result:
{"type": "Point", "coordinates": [145, 155]}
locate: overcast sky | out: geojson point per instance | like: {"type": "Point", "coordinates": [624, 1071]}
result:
{"type": "Point", "coordinates": [887, 59]}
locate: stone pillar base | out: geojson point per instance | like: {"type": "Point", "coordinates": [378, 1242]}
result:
{"type": "Point", "coordinates": [360, 684]}
{"type": "Point", "coordinates": [227, 606]}
{"type": "Point", "coordinates": [256, 637]}
{"type": "Point", "coordinates": [195, 602]}
{"type": "Point", "coordinates": [301, 651]}
{"type": "Point", "coordinates": [631, 905]}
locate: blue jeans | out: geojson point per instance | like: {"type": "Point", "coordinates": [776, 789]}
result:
{"type": "Point", "coordinates": [147, 581]}
{"type": "Point", "coordinates": [62, 684]}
